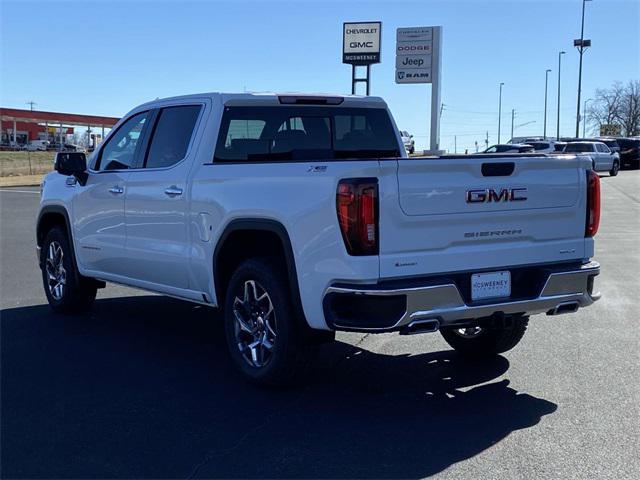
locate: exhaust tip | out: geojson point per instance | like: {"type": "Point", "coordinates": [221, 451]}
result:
{"type": "Point", "coordinates": [570, 307]}
{"type": "Point", "coordinates": [429, 325]}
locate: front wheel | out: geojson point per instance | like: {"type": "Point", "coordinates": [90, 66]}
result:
{"type": "Point", "coordinates": [615, 168]}
{"type": "Point", "coordinates": [66, 290]}
{"type": "Point", "coordinates": [263, 333]}
{"type": "Point", "coordinates": [483, 341]}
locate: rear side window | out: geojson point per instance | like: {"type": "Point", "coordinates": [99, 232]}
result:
{"type": "Point", "coordinates": [579, 147]}
{"type": "Point", "coordinates": [172, 135]}
{"type": "Point", "coordinates": [304, 133]}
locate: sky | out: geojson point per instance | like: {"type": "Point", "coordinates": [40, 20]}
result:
{"type": "Point", "coordinates": [104, 58]}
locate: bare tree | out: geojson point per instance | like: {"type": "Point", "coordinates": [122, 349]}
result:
{"type": "Point", "coordinates": [606, 105]}
{"type": "Point", "coordinates": [618, 105]}
{"type": "Point", "coordinates": [630, 109]}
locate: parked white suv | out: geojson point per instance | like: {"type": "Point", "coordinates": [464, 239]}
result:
{"type": "Point", "coordinates": [407, 141]}
{"type": "Point", "coordinates": [602, 158]}
{"type": "Point", "coordinates": [301, 215]}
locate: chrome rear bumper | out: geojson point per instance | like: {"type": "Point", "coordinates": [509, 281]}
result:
{"type": "Point", "coordinates": [563, 292]}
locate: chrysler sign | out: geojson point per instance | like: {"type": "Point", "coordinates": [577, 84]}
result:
{"type": "Point", "coordinates": [361, 43]}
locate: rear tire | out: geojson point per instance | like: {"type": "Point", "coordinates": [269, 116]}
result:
{"type": "Point", "coordinates": [615, 168]}
{"type": "Point", "coordinates": [264, 336]}
{"type": "Point", "coordinates": [486, 341]}
{"type": "Point", "coordinates": [67, 291]}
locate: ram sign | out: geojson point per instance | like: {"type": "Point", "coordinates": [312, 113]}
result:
{"type": "Point", "coordinates": [361, 43]}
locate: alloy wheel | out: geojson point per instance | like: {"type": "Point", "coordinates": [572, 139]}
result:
{"type": "Point", "coordinates": [255, 324]}
{"type": "Point", "coordinates": [56, 274]}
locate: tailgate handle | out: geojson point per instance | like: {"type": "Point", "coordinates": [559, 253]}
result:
{"type": "Point", "coordinates": [498, 169]}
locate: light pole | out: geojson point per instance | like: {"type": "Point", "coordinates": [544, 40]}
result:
{"type": "Point", "coordinates": [559, 65]}
{"type": "Point", "coordinates": [582, 45]}
{"type": "Point", "coordinates": [546, 83]}
{"type": "Point", "coordinates": [499, 110]}
{"type": "Point", "coordinates": [513, 115]}
{"type": "Point", "coordinates": [584, 122]}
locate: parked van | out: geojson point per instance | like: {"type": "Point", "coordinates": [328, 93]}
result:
{"type": "Point", "coordinates": [34, 145]}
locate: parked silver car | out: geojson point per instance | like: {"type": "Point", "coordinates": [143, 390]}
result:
{"type": "Point", "coordinates": [603, 159]}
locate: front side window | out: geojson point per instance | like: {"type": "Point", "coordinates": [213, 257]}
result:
{"type": "Point", "coordinates": [304, 133]}
{"type": "Point", "coordinates": [120, 151]}
{"type": "Point", "coordinates": [172, 135]}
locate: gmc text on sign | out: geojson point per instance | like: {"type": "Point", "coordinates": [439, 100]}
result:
{"type": "Point", "coordinates": [361, 43]}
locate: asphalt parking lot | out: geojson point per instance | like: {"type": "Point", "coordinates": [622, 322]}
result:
{"type": "Point", "coordinates": [142, 387]}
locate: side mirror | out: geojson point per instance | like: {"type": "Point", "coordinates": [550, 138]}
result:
{"type": "Point", "coordinates": [72, 163]}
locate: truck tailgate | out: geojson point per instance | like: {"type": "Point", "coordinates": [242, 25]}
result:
{"type": "Point", "coordinates": [478, 212]}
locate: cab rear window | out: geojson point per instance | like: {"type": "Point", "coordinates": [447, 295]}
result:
{"type": "Point", "coordinates": [263, 134]}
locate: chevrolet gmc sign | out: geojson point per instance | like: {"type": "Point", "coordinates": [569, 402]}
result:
{"type": "Point", "coordinates": [361, 43]}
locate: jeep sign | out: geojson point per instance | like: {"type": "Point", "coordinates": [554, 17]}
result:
{"type": "Point", "coordinates": [361, 43]}
{"type": "Point", "coordinates": [413, 61]}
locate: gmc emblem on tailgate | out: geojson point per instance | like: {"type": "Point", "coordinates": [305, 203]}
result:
{"type": "Point", "coordinates": [487, 195]}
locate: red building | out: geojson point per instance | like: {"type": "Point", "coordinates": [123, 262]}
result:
{"type": "Point", "coordinates": [22, 126]}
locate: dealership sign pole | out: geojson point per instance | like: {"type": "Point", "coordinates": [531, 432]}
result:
{"type": "Point", "coordinates": [361, 46]}
{"type": "Point", "coordinates": [418, 60]}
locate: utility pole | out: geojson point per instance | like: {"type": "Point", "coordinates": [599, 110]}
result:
{"type": "Point", "coordinates": [31, 103]}
{"type": "Point", "coordinates": [546, 83]}
{"type": "Point", "coordinates": [559, 65]}
{"type": "Point", "coordinates": [499, 110]}
{"type": "Point", "coordinates": [486, 140]}
{"type": "Point", "coordinates": [582, 45]}
{"type": "Point", "coordinates": [513, 115]}
{"type": "Point", "coordinates": [455, 144]}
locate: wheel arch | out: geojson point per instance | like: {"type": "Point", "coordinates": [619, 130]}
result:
{"type": "Point", "coordinates": [50, 216]}
{"type": "Point", "coordinates": [243, 229]}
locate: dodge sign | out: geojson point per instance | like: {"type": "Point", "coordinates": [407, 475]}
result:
{"type": "Point", "coordinates": [361, 43]}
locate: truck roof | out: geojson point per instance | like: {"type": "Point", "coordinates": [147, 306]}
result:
{"type": "Point", "coordinates": [274, 98]}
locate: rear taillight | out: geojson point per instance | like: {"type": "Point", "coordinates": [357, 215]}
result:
{"type": "Point", "coordinates": [357, 206]}
{"type": "Point", "coordinates": [593, 204]}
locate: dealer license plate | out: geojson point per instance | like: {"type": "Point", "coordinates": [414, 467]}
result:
{"type": "Point", "coordinates": [490, 285]}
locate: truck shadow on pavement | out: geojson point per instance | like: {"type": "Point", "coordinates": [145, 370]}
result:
{"type": "Point", "coordinates": [143, 387]}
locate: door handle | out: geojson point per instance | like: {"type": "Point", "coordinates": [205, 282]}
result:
{"type": "Point", "coordinates": [173, 191]}
{"type": "Point", "coordinates": [116, 190]}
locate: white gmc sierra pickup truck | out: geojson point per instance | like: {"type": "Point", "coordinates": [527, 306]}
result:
{"type": "Point", "coordinates": [301, 215]}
